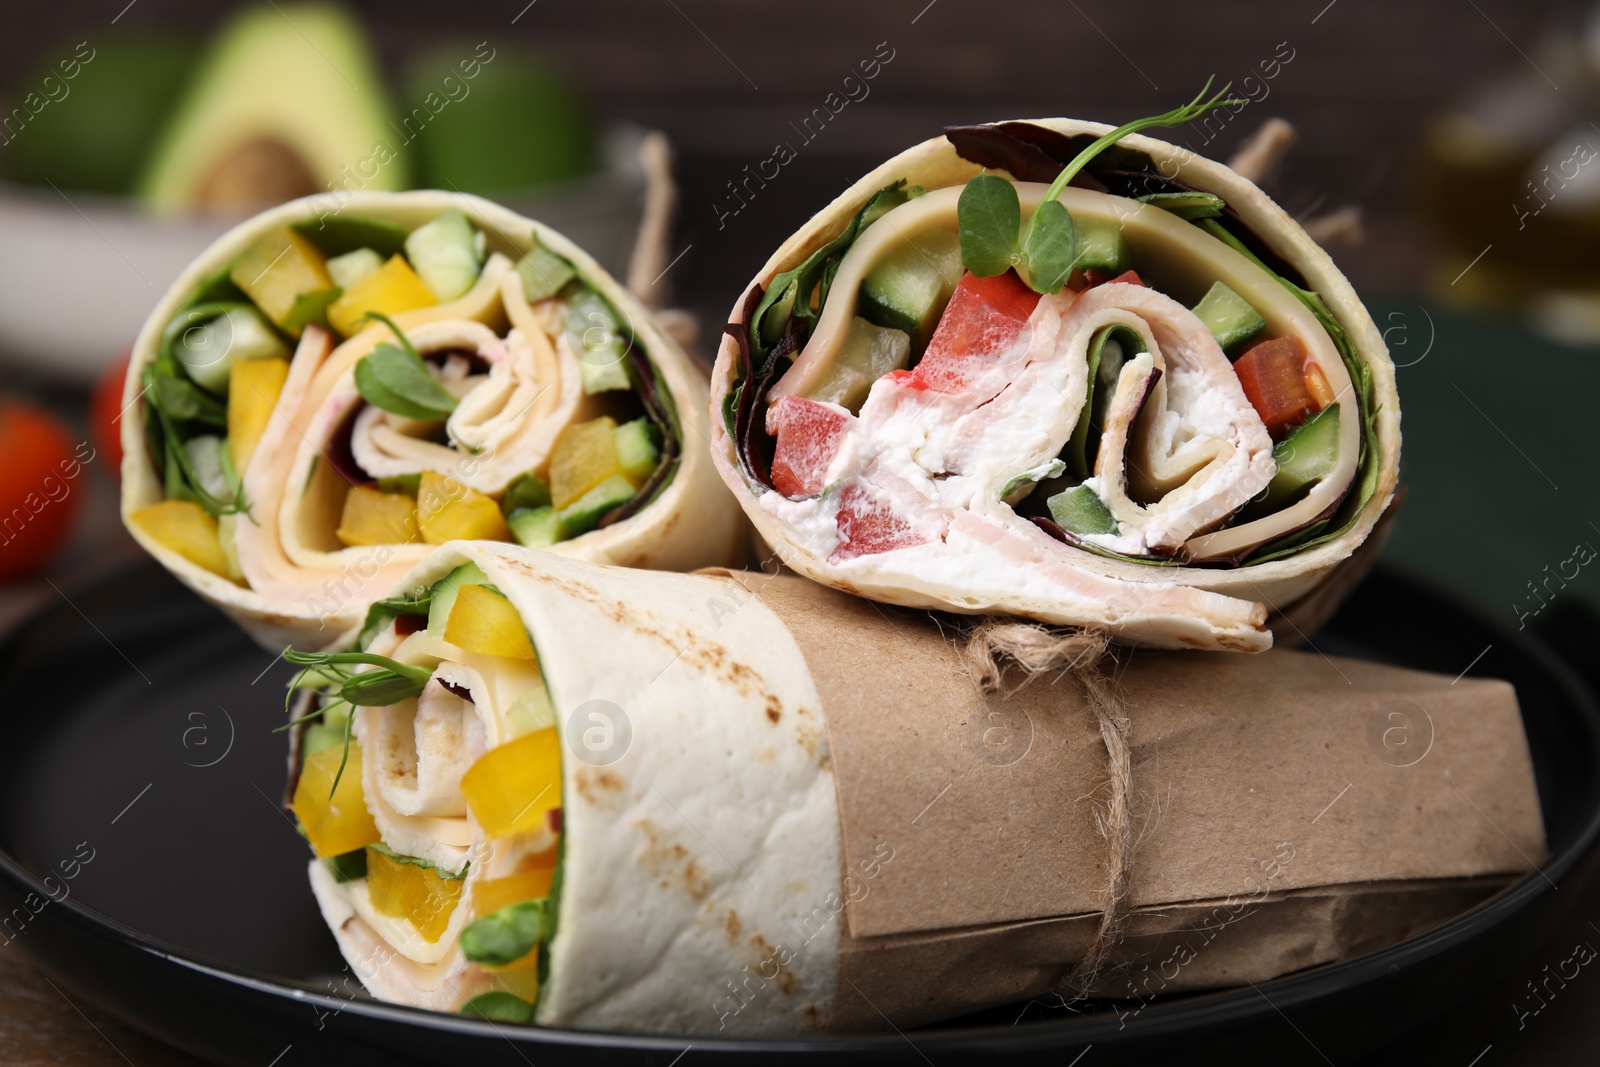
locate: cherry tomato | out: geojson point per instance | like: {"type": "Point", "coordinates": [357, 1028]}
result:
{"type": "Point", "coordinates": [40, 472]}
{"type": "Point", "coordinates": [105, 413]}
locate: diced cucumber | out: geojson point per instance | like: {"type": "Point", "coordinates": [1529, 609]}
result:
{"type": "Point", "coordinates": [908, 289]}
{"type": "Point", "coordinates": [445, 592]}
{"type": "Point", "coordinates": [528, 491]}
{"type": "Point", "coordinates": [1100, 245]}
{"type": "Point", "coordinates": [529, 712]}
{"type": "Point", "coordinates": [544, 274]}
{"type": "Point", "coordinates": [1078, 510]}
{"type": "Point", "coordinates": [596, 340]}
{"type": "Point", "coordinates": [637, 448]}
{"type": "Point", "coordinates": [207, 351]}
{"type": "Point", "coordinates": [326, 732]}
{"type": "Point", "coordinates": [585, 513]}
{"type": "Point", "coordinates": [868, 353]}
{"type": "Point", "coordinates": [354, 267]}
{"type": "Point", "coordinates": [1189, 204]}
{"type": "Point", "coordinates": [1228, 316]}
{"type": "Point", "coordinates": [536, 527]}
{"type": "Point", "coordinates": [446, 254]}
{"type": "Point", "coordinates": [1309, 454]}
{"type": "Point", "coordinates": [205, 459]}
{"type": "Point", "coordinates": [334, 235]}
{"type": "Point", "coordinates": [409, 484]}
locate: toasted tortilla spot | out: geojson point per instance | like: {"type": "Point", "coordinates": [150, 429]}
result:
{"type": "Point", "coordinates": [774, 709]}
{"type": "Point", "coordinates": [733, 926]}
{"type": "Point", "coordinates": [598, 786]}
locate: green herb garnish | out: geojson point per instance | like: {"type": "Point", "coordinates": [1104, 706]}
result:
{"type": "Point", "coordinates": [390, 683]}
{"type": "Point", "coordinates": [396, 379]}
{"type": "Point", "coordinates": [506, 936]}
{"type": "Point", "coordinates": [1045, 250]}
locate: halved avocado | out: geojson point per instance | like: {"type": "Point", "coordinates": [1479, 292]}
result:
{"type": "Point", "coordinates": [463, 102]}
{"type": "Point", "coordinates": [288, 102]}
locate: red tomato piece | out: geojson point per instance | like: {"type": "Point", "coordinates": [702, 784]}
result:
{"type": "Point", "coordinates": [808, 436]}
{"type": "Point", "coordinates": [868, 525]}
{"type": "Point", "coordinates": [1131, 277]}
{"type": "Point", "coordinates": [1274, 380]}
{"type": "Point", "coordinates": [105, 413]}
{"type": "Point", "coordinates": [983, 316]}
{"type": "Point", "coordinates": [37, 488]}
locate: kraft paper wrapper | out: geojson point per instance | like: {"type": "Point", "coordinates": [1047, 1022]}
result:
{"type": "Point", "coordinates": [1276, 826]}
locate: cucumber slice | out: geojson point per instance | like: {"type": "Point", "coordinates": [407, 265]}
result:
{"type": "Point", "coordinates": [527, 492]}
{"type": "Point", "coordinates": [544, 274]}
{"type": "Point", "coordinates": [1309, 454]}
{"type": "Point", "coordinates": [334, 235]}
{"type": "Point", "coordinates": [1228, 316]}
{"type": "Point", "coordinates": [445, 592]}
{"type": "Point", "coordinates": [205, 459]}
{"type": "Point", "coordinates": [354, 267]}
{"type": "Point", "coordinates": [208, 351]}
{"type": "Point", "coordinates": [637, 448]}
{"type": "Point", "coordinates": [596, 340]}
{"type": "Point", "coordinates": [447, 254]}
{"type": "Point", "coordinates": [1080, 511]}
{"type": "Point", "coordinates": [529, 712]}
{"type": "Point", "coordinates": [908, 289]}
{"type": "Point", "coordinates": [868, 353]}
{"type": "Point", "coordinates": [1188, 205]}
{"type": "Point", "coordinates": [585, 513]}
{"type": "Point", "coordinates": [1100, 245]}
{"type": "Point", "coordinates": [537, 527]}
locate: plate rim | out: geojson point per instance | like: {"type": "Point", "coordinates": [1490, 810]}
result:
{"type": "Point", "coordinates": [1205, 1011]}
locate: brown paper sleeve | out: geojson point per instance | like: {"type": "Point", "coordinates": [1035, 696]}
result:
{"type": "Point", "coordinates": [1311, 787]}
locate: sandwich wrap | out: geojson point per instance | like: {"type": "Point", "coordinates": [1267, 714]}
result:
{"type": "Point", "coordinates": [1175, 441]}
{"type": "Point", "coordinates": [290, 457]}
{"type": "Point", "coordinates": [784, 810]}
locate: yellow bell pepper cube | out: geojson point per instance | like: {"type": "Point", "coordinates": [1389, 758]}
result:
{"type": "Point", "coordinates": [254, 386]}
{"type": "Point", "coordinates": [184, 527]}
{"type": "Point", "coordinates": [483, 621]}
{"type": "Point", "coordinates": [583, 456]}
{"type": "Point", "coordinates": [449, 511]}
{"type": "Point", "coordinates": [393, 288]}
{"type": "Point", "coordinates": [340, 823]}
{"type": "Point", "coordinates": [277, 271]}
{"type": "Point", "coordinates": [372, 517]}
{"type": "Point", "coordinates": [513, 787]}
{"type": "Point", "coordinates": [530, 883]}
{"type": "Point", "coordinates": [412, 889]}
{"type": "Point", "coordinates": [521, 979]}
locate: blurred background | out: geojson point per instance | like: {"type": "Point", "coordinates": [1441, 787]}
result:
{"type": "Point", "coordinates": [1450, 150]}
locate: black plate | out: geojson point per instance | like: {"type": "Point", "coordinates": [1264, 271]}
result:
{"type": "Point", "coordinates": [137, 733]}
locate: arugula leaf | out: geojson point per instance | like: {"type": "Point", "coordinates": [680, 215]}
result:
{"type": "Point", "coordinates": [416, 861]}
{"type": "Point", "coordinates": [399, 381]}
{"type": "Point", "coordinates": [383, 610]}
{"type": "Point", "coordinates": [989, 215]}
{"type": "Point", "coordinates": [789, 295]}
{"type": "Point", "coordinates": [1095, 400]}
{"type": "Point", "coordinates": [505, 936]}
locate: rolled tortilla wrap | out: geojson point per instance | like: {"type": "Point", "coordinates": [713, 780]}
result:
{"type": "Point", "coordinates": [782, 811]}
{"type": "Point", "coordinates": [1106, 455]}
{"type": "Point", "coordinates": [267, 471]}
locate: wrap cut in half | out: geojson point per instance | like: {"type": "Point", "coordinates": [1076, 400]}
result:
{"type": "Point", "coordinates": [1156, 409]}
{"type": "Point", "coordinates": [722, 803]}
{"type": "Point", "coordinates": [333, 387]}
